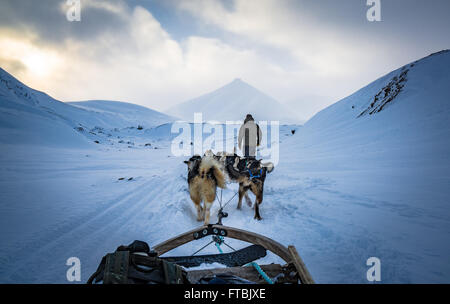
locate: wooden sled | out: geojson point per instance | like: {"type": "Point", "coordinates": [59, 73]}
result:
{"type": "Point", "coordinates": [294, 271]}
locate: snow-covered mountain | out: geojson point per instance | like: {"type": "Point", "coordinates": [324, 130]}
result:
{"type": "Point", "coordinates": [409, 106]}
{"type": "Point", "coordinates": [28, 116]}
{"type": "Point", "coordinates": [129, 113]}
{"type": "Point", "coordinates": [233, 102]}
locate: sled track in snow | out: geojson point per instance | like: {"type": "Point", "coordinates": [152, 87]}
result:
{"type": "Point", "coordinates": [87, 234]}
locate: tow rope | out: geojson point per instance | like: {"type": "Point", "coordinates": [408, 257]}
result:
{"type": "Point", "coordinates": [221, 213]}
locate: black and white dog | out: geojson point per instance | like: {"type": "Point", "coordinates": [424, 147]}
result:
{"type": "Point", "coordinates": [249, 172]}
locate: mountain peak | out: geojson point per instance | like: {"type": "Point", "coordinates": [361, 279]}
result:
{"type": "Point", "coordinates": [238, 82]}
{"type": "Point", "coordinates": [232, 102]}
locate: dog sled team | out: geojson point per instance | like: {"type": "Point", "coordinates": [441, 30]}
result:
{"type": "Point", "coordinates": [207, 172]}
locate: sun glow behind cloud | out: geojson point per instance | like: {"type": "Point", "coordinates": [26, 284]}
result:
{"type": "Point", "coordinates": [35, 62]}
{"type": "Point", "coordinates": [39, 63]}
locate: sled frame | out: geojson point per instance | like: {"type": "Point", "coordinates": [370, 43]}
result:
{"type": "Point", "coordinates": [289, 255]}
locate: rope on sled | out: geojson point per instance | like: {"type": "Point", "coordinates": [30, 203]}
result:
{"type": "Point", "coordinates": [261, 272]}
{"type": "Point", "coordinates": [218, 244]}
{"type": "Point", "coordinates": [266, 278]}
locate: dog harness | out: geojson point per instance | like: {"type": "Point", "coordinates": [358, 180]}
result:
{"type": "Point", "coordinates": [250, 172]}
{"type": "Point", "coordinates": [254, 176]}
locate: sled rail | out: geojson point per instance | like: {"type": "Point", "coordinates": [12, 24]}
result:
{"type": "Point", "coordinates": [303, 273]}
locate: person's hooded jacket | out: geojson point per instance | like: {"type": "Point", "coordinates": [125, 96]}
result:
{"type": "Point", "coordinates": [249, 134]}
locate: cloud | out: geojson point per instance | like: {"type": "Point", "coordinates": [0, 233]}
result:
{"type": "Point", "coordinates": [276, 24]}
{"type": "Point", "coordinates": [333, 50]}
{"type": "Point", "coordinates": [121, 51]}
{"type": "Point", "coordinates": [137, 62]}
{"type": "Point", "coordinates": [47, 19]}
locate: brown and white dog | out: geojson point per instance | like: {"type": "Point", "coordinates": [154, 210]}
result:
{"type": "Point", "coordinates": [250, 173]}
{"type": "Point", "coordinates": [204, 176]}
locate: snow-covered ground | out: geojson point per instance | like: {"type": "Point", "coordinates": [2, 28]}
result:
{"type": "Point", "coordinates": [347, 187]}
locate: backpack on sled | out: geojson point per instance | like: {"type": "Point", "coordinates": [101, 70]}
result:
{"type": "Point", "coordinates": [137, 264]}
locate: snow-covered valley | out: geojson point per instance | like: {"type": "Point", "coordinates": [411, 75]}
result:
{"type": "Point", "coordinates": [347, 186]}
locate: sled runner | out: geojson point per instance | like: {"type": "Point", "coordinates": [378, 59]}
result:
{"type": "Point", "coordinates": [136, 263]}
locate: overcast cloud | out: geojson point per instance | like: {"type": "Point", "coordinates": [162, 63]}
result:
{"type": "Point", "coordinates": [306, 54]}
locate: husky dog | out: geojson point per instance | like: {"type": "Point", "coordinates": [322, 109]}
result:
{"type": "Point", "coordinates": [204, 176]}
{"type": "Point", "coordinates": [249, 172]}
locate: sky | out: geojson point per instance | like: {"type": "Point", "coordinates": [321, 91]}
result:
{"type": "Point", "coordinates": [307, 54]}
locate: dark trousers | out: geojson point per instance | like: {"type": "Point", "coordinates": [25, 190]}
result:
{"type": "Point", "coordinates": [249, 151]}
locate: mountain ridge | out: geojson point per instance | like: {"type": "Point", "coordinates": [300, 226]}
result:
{"type": "Point", "coordinates": [34, 117]}
{"type": "Point", "coordinates": [361, 103]}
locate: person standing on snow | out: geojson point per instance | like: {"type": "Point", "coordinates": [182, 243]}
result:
{"type": "Point", "coordinates": [251, 135]}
